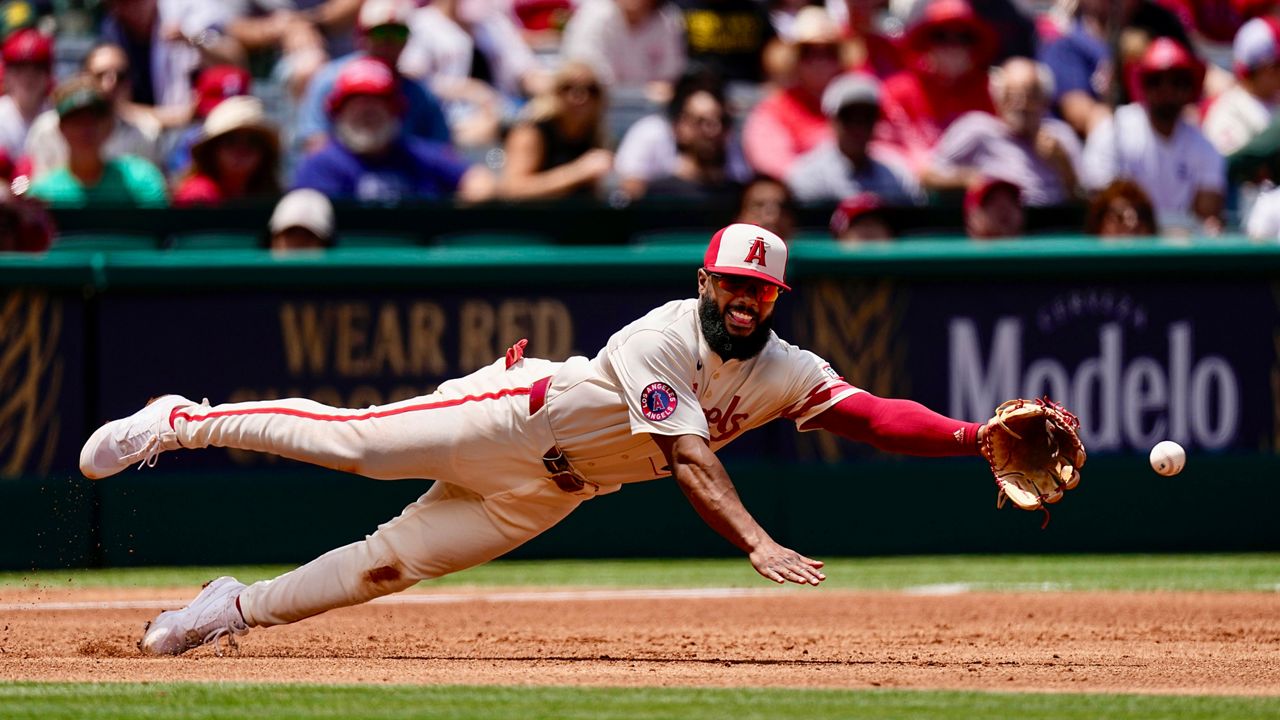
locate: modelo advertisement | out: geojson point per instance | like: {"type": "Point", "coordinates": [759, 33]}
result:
{"type": "Point", "coordinates": [1193, 363]}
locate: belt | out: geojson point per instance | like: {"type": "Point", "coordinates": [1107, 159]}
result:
{"type": "Point", "coordinates": [558, 467]}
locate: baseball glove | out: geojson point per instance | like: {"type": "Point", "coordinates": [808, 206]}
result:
{"type": "Point", "coordinates": [1034, 452]}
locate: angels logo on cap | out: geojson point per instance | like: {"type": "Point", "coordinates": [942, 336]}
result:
{"type": "Point", "coordinates": [748, 251]}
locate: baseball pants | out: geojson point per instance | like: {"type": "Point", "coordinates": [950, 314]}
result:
{"type": "Point", "coordinates": [474, 436]}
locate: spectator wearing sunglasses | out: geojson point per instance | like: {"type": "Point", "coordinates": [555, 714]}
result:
{"type": "Point", "coordinates": [557, 150]}
{"type": "Point", "coordinates": [947, 51]}
{"type": "Point", "coordinates": [384, 31]}
{"type": "Point", "coordinates": [1150, 143]}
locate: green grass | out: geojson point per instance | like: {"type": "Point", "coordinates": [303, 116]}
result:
{"type": "Point", "coordinates": [1250, 572]}
{"type": "Point", "coordinates": [396, 702]}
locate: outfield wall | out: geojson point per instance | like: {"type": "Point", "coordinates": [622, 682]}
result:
{"type": "Point", "coordinates": [1145, 341]}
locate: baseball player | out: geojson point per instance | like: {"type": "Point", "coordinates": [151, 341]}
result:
{"type": "Point", "coordinates": [518, 445]}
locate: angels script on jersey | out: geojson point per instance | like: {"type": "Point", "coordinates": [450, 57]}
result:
{"type": "Point", "coordinates": [726, 423]}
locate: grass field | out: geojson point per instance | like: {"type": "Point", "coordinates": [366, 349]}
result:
{"type": "Point", "coordinates": [1243, 572]}
{"type": "Point", "coordinates": [1250, 573]}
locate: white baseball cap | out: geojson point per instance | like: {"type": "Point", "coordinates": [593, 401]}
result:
{"type": "Point", "coordinates": [1256, 45]}
{"type": "Point", "coordinates": [374, 13]}
{"type": "Point", "coordinates": [305, 208]}
{"type": "Point", "coordinates": [748, 251]}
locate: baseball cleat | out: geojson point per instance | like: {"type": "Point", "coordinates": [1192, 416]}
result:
{"type": "Point", "coordinates": [139, 438]}
{"type": "Point", "coordinates": [212, 615]}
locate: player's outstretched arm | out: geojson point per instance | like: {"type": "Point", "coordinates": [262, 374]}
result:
{"type": "Point", "coordinates": [899, 426]}
{"type": "Point", "coordinates": [707, 485]}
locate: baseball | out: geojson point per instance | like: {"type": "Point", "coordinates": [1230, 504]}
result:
{"type": "Point", "coordinates": [1168, 458]}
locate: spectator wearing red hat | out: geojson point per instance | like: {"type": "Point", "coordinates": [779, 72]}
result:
{"type": "Point", "coordinates": [136, 132]}
{"type": "Point", "coordinates": [214, 85]}
{"type": "Point", "coordinates": [860, 218]}
{"type": "Point", "coordinates": [28, 74]}
{"type": "Point", "coordinates": [1083, 69]}
{"type": "Point", "coordinates": [947, 51]}
{"type": "Point", "coordinates": [789, 122]}
{"type": "Point", "coordinates": [993, 209]}
{"type": "Point", "coordinates": [1150, 143]}
{"type": "Point", "coordinates": [383, 27]}
{"type": "Point", "coordinates": [1020, 144]}
{"type": "Point", "coordinates": [368, 158]}
{"type": "Point", "coordinates": [1246, 109]}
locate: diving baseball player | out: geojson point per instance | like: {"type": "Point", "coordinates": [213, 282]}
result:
{"type": "Point", "coordinates": [518, 445]}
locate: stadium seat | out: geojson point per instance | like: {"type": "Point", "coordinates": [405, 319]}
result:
{"type": "Point", "coordinates": [230, 240]}
{"type": "Point", "coordinates": [90, 240]}
{"type": "Point", "coordinates": [493, 238]}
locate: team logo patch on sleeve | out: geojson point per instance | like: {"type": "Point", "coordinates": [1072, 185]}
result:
{"type": "Point", "coordinates": [658, 401]}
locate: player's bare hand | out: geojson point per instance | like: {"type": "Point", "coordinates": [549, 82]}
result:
{"type": "Point", "coordinates": [781, 565]}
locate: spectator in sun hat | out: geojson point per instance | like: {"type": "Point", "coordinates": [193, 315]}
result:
{"type": "Point", "coordinates": [1151, 143]}
{"type": "Point", "coordinates": [1246, 109]}
{"type": "Point", "coordinates": [993, 209]}
{"type": "Point", "coordinates": [368, 158]}
{"type": "Point", "coordinates": [859, 218]}
{"type": "Point", "coordinates": [789, 122]}
{"type": "Point", "coordinates": [91, 177]}
{"type": "Point", "coordinates": [947, 52]}
{"type": "Point", "coordinates": [213, 85]}
{"type": "Point", "coordinates": [848, 164]}
{"type": "Point", "coordinates": [28, 77]}
{"type": "Point", "coordinates": [237, 156]}
{"type": "Point", "coordinates": [302, 220]}
{"type": "Point", "coordinates": [383, 32]}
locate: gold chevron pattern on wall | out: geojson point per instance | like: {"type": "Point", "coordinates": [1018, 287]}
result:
{"type": "Point", "coordinates": [30, 381]}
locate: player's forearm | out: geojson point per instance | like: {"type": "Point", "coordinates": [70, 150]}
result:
{"type": "Point", "coordinates": [899, 426]}
{"type": "Point", "coordinates": [710, 491]}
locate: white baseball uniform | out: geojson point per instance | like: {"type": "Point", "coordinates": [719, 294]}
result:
{"type": "Point", "coordinates": [484, 437]}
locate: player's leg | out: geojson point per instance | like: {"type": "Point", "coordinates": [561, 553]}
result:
{"type": "Point", "coordinates": [448, 529]}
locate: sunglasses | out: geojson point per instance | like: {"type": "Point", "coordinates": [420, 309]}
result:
{"type": "Point", "coordinates": [734, 285]}
{"type": "Point", "coordinates": [858, 115]}
{"type": "Point", "coordinates": [389, 33]}
{"type": "Point", "coordinates": [591, 89]}
{"type": "Point", "coordinates": [1175, 80]}
{"type": "Point", "coordinates": [952, 37]}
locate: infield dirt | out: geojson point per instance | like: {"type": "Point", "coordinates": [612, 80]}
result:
{"type": "Point", "coordinates": [1187, 643]}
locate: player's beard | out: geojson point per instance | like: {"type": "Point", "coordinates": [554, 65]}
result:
{"type": "Point", "coordinates": [731, 347]}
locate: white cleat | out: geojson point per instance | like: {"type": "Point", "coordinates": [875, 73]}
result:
{"type": "Point", "coordinates": [139, 438]}
{"type": "Point", "coordinates": [212, 615]}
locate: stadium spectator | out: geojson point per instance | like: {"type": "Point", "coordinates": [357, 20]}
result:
{"type": "Point", "coordinates": [728, 36]}
{"type": "Point", "coordinates": [789, 122]}
{"type": "Point", "coordinates": [947, 52]}
{"type": "Point", "coordinates": [383, 27]}
{"type": "Point", "coordinates": [28, 74]}
{"type": "Point", "coordinates": [1084, 73]}
{"type": "Point", "coordinates": [302, 220]}
{"type": "Point", "coordinates": [213, 85]}
{"type": "Point", "coordinates": [847, 165]}
{"type": "Point", "coordinates": [166, 41]}
{"type": "Point", "coordinates": [993, 209]}
{"type": "Point", "coordinates": [1242, 112]}
{"type": "Point", "coordinates": [474, 58]}
{"type": "Point", "coordinates": [631, 43]}
{"type": "Point", "coordinates": [869, 50]}
{"type": "Point", "coordinates": [1121, 209]}
{"type": "Point", "coordinates": [1150, 143]}
{"type": "Point", "coordinates": [768, 203]}
{"type": "Point", "coordinates": [649, 149]}
{"type": "Point", "coordinates": [24, 226]}
{"type": "Point", "coordinates": [137, 132]}
{"type": "Point", "coordinates": [860, 218]}
{"type": "Point", "coordinates": [369, 158]}
{"type": "Point", "coordinates": [300, 29]}
{"type": "Point", "coordinates": [701, 169]}
{"type": "Point", "coordinates": [1213, 20]}
{"type": "Point", "coordinates": [237, 157]}
{"type": "Point", "coordinates": [90, 177]}
{"type": "Point", "coordinates": [1041, 155]}
{"type": "Point", "coordinates": [1015, 32]}
{"type": "Point", "coordinates": [557, 149]}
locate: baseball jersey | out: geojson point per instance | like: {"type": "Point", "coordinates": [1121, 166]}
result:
{"type": "Point", "coordinates": [658, 376]}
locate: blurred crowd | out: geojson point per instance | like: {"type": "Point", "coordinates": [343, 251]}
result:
{"type": "Point", "coordinates": [1151, 116]}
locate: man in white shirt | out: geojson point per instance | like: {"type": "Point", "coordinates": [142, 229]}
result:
{"type": "Point", "coordinates": [631, 43]}
{"type": "Point", "coordinates": [515, 447]}
{"type": "Point", "coordinates": [1246, 108]}
{"type": "Point", "coordinates": [28, 78]}
{"type": "Point", "coordinates": [1149, 142]}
